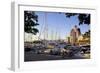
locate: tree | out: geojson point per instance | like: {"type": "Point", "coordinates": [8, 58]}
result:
{"type": "Point", "coordinates": [87, 34]}
{"type": "Point", "coordinates": [30, 21]}
{"type": "Point", "coordinates": [83, 18]}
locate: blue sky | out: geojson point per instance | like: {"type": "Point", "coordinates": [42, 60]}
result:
{"type": "Point", "coordinates": [58, 24]}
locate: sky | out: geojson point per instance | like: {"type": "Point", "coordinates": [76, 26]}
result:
{"type": "Point", "coordinates": [57, 24]}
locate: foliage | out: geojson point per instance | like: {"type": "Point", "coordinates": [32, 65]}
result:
{"type": "Point", "coordinates": [87, 34]}
{"type": "Point", "coordinates": [30, 21]}
{"type": "Point", "coordinates": [83, 18]}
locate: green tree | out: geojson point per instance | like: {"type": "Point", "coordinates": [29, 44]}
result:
{"type": "Point", "coordinates": [87, 34]}
{"type": "Point", "coordinates": [83, 18]}
{"type": "Point", "coordinates": [30, 21]}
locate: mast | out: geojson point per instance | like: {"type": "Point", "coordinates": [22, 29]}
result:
{"type": "Point", "coordinates": [56, 35]}
{"type": "Point", "coordinates": [45, 28]}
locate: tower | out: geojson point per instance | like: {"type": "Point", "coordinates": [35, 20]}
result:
{"type": "Point", "coordinates": [74, 34]}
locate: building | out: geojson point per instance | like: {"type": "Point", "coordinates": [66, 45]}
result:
{"type": "Point", "coordinates": [68, 39]}
{"type": "Point", "coordinates": [83, 40]}
{"type": "Point", "coordinates": [74, 34]}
